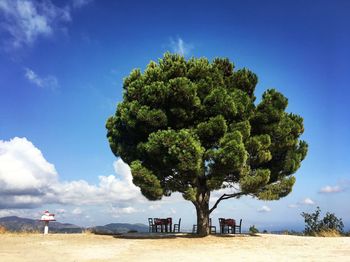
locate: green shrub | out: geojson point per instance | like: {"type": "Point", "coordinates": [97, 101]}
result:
{"type": "Point", "coordinates": [253, 230]}
{"type": "Point", "coordinates": [314, 225]}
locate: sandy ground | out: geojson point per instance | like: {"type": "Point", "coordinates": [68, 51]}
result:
{"type": "Point", "coordinates": [89, 247]}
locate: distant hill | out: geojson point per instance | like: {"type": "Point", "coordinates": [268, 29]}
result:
{"type": "Point", "coordinates": [118, 228]}
{"type": "Point", "coordinates": [19, 224]}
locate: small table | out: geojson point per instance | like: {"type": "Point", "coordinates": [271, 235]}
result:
{"type": "Point", "coordinates": [229, 223]}
{"type": "Point", "coordinates": [164, 223]}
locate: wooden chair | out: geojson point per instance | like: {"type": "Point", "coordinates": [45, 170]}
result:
{"type": "Point", "coordinates": [194, 229]}
{"type": "Point", "coordinates": [177, 226]}
{"type": "Point", "coordinates": [238, 227]}
{"type": "Point", "coordinates": [156, 222]}
{"type": "Point", "coordinates": [222, 225]}
{"type": "Point", "coordinates": [169, 224]}
{"type": "Point", "coordinates": [212, 229]}
{"type": "Point", "coordinates": [231, 225]}
{"type": "Point", "coordinates": [151, 226]}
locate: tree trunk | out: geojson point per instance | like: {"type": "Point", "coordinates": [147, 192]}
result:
{"type": "Point", "coordinates": [203, 219]}
{"type": "Point", "coordinates": [202, 208]}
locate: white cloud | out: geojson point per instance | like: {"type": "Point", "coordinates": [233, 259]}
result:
{"type": "Point", "coordinates": [25, 175]}
{"type": "Point", "coordinates": [26, 20]}
{"type": "Point", "coordinates": [330, 189]}
{"type": "Point", "coordinates": [111, 189]}
{"type": "Point", "coordinates": [49, 81]}
{"type": "Point", "coordinates": [180, 47]}
{"type": "Point", "coordinates": [117, 211]}
{"type": "Point", "coordinates": [28, 180]}
{"type": "Point", "coordinates": [230, 189]}
{"type": "Point", "coordinates": [264, 209]}
{"type": "Point", "coordinates": [307, 201]}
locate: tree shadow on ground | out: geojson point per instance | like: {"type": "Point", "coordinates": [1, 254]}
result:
{"type": "Point", "coordinates": [173, 236]}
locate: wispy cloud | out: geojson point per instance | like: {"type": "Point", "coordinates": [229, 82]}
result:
{"type": "Point", "coordinates": [20, 212]}
{"type": "Point", "coordinates": [77, 211]}
{"type": "Point", "coordinates": [26, 20]}
{"type": "Point", "coordinates": [80, 3]}
{"type": "Point", "coordinates": [60, 213]}
{"type": "Point", "coordinates": [180, 47]}
{"type": "Point", "coordinates": [22, 22]}
{"type": "Point", "coordinates": [154, 207]}
{"type": "Point", "coordinates": [293, 205]}
{"type": "Point", "coordinates": [49, 81]}
{"type": "Point", "coordinates": [264, 209]}
{"type": "Point", "coordinates": [330, 189]}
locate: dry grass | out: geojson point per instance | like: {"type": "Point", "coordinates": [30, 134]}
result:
{"type": "Point", "coordinates": [3, 230]}
{"type": "Point", "coordinates": [87, 231]}
{"type": "Point", "coordinates": [329, 233]}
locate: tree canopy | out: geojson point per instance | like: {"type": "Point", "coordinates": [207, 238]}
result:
{"type": "Point", "coordinates": [193, 126]}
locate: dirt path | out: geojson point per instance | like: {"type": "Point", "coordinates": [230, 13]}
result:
{"type": "Point", "coordinates": [88, 247]}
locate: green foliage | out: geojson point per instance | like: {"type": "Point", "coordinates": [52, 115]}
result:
{"type": "Point", "coordinates": [193, 126]}
{"type": "Point", "coordinates": [314, 225]}
{"type": "Point", "coordinates": [146, 180]}
{"type": "Point", "coordinates": [253, 230]}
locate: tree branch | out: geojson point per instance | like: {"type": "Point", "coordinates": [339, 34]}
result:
{"type": "Point", "coordinates": [223, 197]}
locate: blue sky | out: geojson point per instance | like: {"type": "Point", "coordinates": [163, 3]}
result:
{"type": "Point", "coordinates": [62, 64]}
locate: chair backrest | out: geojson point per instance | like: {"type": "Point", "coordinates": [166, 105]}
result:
{"type": "Point", "coordinates": [221, 221]}
{"type": "Point", "coordinates": [179, 222]}
{"type": "Point", "coordinates": [210, 222]}
{"type": "Point", "coordinates": [150, 221]}
{"type": "Point", "coordinates": [230, 222]}
{"type": "Point", "coordinates": [240, 222]}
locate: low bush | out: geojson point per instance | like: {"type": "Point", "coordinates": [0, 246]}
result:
{"type": "Point", "coordinates": [253, 230]}
{"type": "Point", "coordinates": [328, 226]}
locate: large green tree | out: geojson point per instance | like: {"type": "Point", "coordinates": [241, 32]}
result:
{"type": "Point", "coordinates": [192, 126]}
